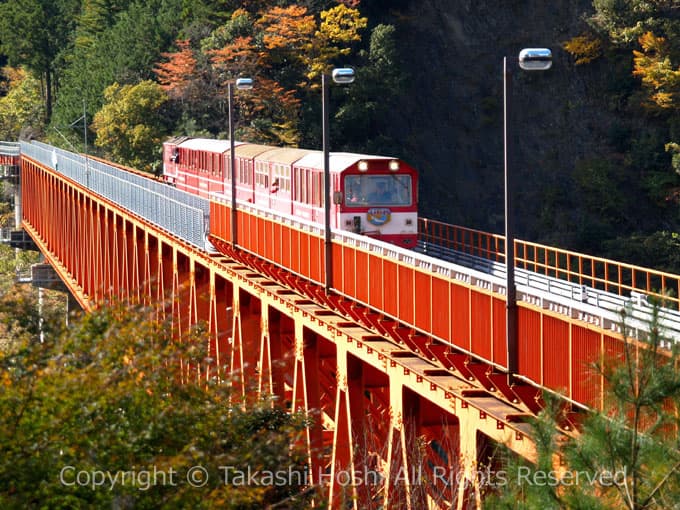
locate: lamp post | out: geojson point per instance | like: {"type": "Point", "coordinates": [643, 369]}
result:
{"type": "Point", "coordinates": [241, 84]}
{"type": "Point", "coordinates": [530, 59]}
{"type": "Point", "coordinates": [339, 75]}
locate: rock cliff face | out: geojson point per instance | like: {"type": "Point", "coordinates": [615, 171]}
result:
{"type": "Point", "coordinates": [452, 123]}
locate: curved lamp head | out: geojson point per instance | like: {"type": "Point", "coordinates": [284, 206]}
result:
{"type": "Point", "coordinates": [535, 59]}
{"type": "Point", "coordinates": [244, 83]}
{"type": "Point", "coordinates": [343, 75]}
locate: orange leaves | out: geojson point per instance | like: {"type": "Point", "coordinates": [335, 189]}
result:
{"type": "Point", "coordinates": [175, 74]}
{"type": "Point", "coordinates": [584, 48]}
{"type": "Point", "coordinates": [235, 59]}
{"type": "Point", "coordinates": [287, 27]}
{"type": "Point", "coordinates": [284, 49]}
{"type": "Point", "coordinates": [653, 65]}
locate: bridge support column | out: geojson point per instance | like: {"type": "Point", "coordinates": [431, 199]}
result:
{"type": "Point", "coordinates": [403, 476]}
{"type": "Point", "coordinates": [307, 398]}
{"type": "Point", "coordinates": [276, 362]}
{"type": "Point", "coordinates": [343, 491]}
{"type": "Point", "coordinates": [467, 477]}
{"type": "Point", "coordinates": [245, 342]}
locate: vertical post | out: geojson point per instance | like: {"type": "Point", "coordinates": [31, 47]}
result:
{"type": "Point", "coordinates": [511, 293]}
{"type": "Point", "coordinates": [87, 161]}
{"type": "Point", "coordinates": [326, 185]}
{"type": "Point", "coordinates": [232, 162]}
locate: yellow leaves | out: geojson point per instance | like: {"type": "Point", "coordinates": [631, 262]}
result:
{"type": "Point", "coordinates": [651, 43]}
{"type": "Point", "coordinates": [654, 67]}
{"type": "Point", "coordinates": [22, 104]}
{"type": "Point", "coordinates": [341, 25]}
{"type": "Point", "coordinates": [294, 35]}
{"type": "Point", "coordinates": [339, 28]}
{"type": "Point", "coordinates": [584, 48]}
{"type": "Point", "coordinates": [14, 75]}
{"type": "Point", "coordinates": [128, 357]}
{"type": "Point", "coordinates": [128, 126]}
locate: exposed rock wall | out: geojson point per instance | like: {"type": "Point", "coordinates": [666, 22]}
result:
{"type": "Point", "coordinates": [452, 122]}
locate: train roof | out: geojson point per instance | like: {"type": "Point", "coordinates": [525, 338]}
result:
{"type": "Point", "coordinates": [207, 144]}
{"type": "Point", "coordinates": [286, 155]}
{"type": "Point", "coordinates": [251, 150]}
{"type": "Point", "coordinates": [306, 158]}
{"type": "Point", "coordinates": [176, 140]}
{"type": "Point", "coordinates": [338, 161]}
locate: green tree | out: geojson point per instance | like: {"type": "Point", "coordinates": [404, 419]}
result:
{"type": "Point", "coordinates": [123, 52]}
{"type": "Point", "coordinates": [35, 34]}
{"type": "Point", "coordinates": [105, 404]}
{"type": "Point", "coordinates": [623, 456]}
{"type": "Point", "coordinates": [96, 16]}
{"type": "Point", "coordinates": [22, 107]}
{"type": "Point", "coordinates": [373, 101]}
{"type": "Point", "coordinates": [129, 126]}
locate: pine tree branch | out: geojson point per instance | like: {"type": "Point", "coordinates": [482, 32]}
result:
{"type": "Point", "coordinates": [661, 483]}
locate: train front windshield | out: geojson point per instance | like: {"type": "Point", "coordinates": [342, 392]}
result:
{"type": "Point", "coordinates": [378, 190]}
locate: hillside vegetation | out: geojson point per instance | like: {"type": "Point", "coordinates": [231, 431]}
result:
{"type": "Point", "coordinates": [597, 136]}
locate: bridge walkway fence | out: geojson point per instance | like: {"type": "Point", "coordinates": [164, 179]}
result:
{"type": "Point", "coordinates": [598, 273]}
{"type": "Point", "coordinates": [173, 210]}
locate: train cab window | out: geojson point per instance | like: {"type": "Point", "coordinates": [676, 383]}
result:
{"type": "Point", "coordinates": [378, 190]}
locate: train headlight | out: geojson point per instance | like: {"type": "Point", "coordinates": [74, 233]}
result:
{"type": "Point", "coordinates": [363, 166]}
{"type": "Point", "coordinates": [394, 165]}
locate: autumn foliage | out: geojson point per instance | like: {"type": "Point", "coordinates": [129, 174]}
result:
{"type": "Point", "coordinates": [284, 49]}
{"type": "Point", "coordinates": [180, 68]}
{"type": "Point", "coordinates": [654, 67]}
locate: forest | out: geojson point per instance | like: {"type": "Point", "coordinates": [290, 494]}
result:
{"type": "Point", "coordinates": [597, 136]}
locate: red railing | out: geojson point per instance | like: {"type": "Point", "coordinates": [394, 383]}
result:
{"type": "Point", "coordinates": [466, 240]}
{"type": "Point", "coordinates": [596, 272]}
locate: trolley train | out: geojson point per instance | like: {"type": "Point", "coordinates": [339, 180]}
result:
{"type": "Point", "coordinates": [371, 195]}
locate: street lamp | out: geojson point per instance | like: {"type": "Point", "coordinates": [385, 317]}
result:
{"type": "Point", "coordinates": [241, 84]}
{"type": "Point", "coordinates": [530, 59]}
{"type": "Point", "coordinates": [339, 75]}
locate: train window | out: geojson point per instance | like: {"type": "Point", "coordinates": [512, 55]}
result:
{"type": "Point", "coordinates": [315, 188]}
{"type": "Point", "coordinates": [305, 187]}
{"type": "Point", "coordinates": [378, 190]}
{"type": "Point", "coordinates": [261, 177]}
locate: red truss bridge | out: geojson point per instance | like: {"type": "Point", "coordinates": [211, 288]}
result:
{"type": "Point", "coordinates": [403, 365]}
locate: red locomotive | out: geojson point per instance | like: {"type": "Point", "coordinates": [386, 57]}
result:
{"type": "Point", "coordinates": [371, 195]}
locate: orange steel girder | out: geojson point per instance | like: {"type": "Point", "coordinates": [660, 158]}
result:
{"type": "Point", "coordinates": [390, 427]}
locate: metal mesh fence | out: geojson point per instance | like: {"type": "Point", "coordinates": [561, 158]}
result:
{"type": "Point", "coordinates": [180, 213]}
